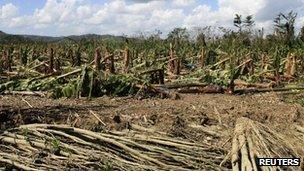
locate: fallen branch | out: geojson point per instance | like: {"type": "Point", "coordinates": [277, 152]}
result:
{"type": "Point", "coordinates": [26, 93]}
{"type": "Point", "coordinates": [241, 83]}
{"type": "Point", "coordinates": [27, 103]}
{"type": "Point", "coordinates": [206, 89]}
{"type": "Point", "coordinates": [182, 85]}
{"type": "Point", "coordinates": [205, 130]}
{"type": "Point", "coordinates": [257, 90]}
{"type": "Point", "coordinates": [91, 112]}
{"type": "Point", "coordinates": [70, 73]}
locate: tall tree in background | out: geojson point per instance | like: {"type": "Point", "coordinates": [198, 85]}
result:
{"type": "Point", "coordinates": [248, 22]}
{"type": "Point", "coordinates": [238, 22]}
{"type": "Point", "coordinates": [241, 24]}
{"type": "Point", "coordinates": [180, 39]}
{"type": "Point", "coordinates": [284, 26]}
{"type": "Point", "coordinates": [178, 36]}
{"type": "Point", "coordinates": [244, 29]}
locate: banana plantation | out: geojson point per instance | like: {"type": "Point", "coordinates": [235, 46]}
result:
{"type": "Point", "coordinates": [189, 101]}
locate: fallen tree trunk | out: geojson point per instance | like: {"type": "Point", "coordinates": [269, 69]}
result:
{"type": "Point", "coordinates": [206, 89]}
{"type": "Point", "coordinates": [182, 85]}
{"type": "Point", "coordinates": [257, 90]}
{"type": "Point", "coordinates": [240, 83]}
{"type": "Point", "coordinates": [163, 92]}
{"type": "Point", "coordinates": [26, 93]}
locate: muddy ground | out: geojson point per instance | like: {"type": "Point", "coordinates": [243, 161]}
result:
{"type": "Point", "coordinates": [186, 118]}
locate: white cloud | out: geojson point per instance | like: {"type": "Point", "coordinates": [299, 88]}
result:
{"type": "Point", "coordinates": [62, 17]}
{"type": "Point", "coordinates": [203, 15]}
{"type": "Point", "coordinates": [263, 12]}
{"type": "Point", "coordinates": [144, 8]}
{"type": "Point", "coordinates": [8, 11]}
{"type": "Point", "coordinates": [245, 7]}
{"type": "Point", "coordinates": [55, 11]}
{"type": "Point", "coordinates": [20, 21]}
{"type": "Point", "coordinates": [119, 17]}
{"type": "Point", "coordinates": [83, 11]}
{"type": "Point", "coordinates": [183, 3]}
{"type": "Point", "coordinates": [274, 7]}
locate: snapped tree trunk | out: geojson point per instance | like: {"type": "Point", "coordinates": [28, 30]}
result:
{"type": "Point", "coordinates": [127, 59]}
{"type": "Point", "coordinates": [177, 65]}
{"type": "Point", "coordinates": [6, 61]}
{"type": "Point", "coordinates": [97, 59]}
{"type": "Point", "coordinates": [51, 61]}
{"type": "Point", "coordinates": [171, 64]}
{"type": "Point", "coordinates": [78, 57]}
{"type": "Point", "coordinates": [290, 65]}
{"type": "Point", "coordinates": [112, 64]}
{"type": "Point", "coordinates": [161, 74]}
{"type": "Point", "coordinates": [203, 57]}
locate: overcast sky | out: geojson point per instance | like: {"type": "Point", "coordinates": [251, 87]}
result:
{"type": "Point", "coordinates": [67, 17]}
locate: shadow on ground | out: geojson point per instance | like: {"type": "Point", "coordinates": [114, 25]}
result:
{"type": "Point", "coordinates": [12, 117]}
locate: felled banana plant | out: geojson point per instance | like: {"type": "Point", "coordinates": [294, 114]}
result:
{"type": "Point", "coordinates": [83, 82]}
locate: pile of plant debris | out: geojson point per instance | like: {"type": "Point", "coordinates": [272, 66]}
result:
{"type": "Point", "coordinates": [61, 147]}
{"type": "Point", "coordinates": [81, 82]}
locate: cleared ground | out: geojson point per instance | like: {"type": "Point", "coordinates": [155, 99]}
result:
{"type": "Point", "coordinates": [218, 111]}
{"type": "Point", "coordinates": [206, 118]}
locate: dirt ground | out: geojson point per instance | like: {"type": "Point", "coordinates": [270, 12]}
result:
{"type": "Point", "coordinates": [188, 117]}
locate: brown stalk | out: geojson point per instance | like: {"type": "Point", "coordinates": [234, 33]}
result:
{"type": "Point", "coordinates": [97, 59]}
{"type": "Point", "coordinates": [171, 64]}
{"type": "Point", "coordinates": [127, 59]}
{"type": "Point", "coordinates": [51, 61]}
{"type": "Point", "coordinates": [177, 64]}
{"type": "Point", "coordinates": [202, 57]}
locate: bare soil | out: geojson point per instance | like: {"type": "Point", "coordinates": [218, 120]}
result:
{"type": "Point", "coordinates": [188, 117]}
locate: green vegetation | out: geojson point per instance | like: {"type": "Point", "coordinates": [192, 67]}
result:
{"type": "Point", "coordinates": [106, 65]}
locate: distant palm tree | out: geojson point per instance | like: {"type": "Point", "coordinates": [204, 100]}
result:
{"type": "Point", "coordinates": [240, 23]}
{"type": "Point", "coordinates": [284, 26]}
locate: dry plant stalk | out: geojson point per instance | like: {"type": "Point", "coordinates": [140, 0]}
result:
{"type": "Point", "coordinates": [247, 66]}
{"type": "Point", "coordinates": [264, 62]}
{"type": "Point", "coordinates": [109, 60]}
{"type": "Point", "coordinates": [203, 57]}
{"type": "Point", "coordinates": [177, 64]}
{"type": "Point", "coordinates": [161, 74]}
{"type": "Point", "coordinates": [254, 140]}
{"type": "Point", "coordinates": [51, 61]}
{"type": "Point", "coordinates": [97, 59]}
{"type": "Point", "coordinates": [57, 64]}
{"type": "Point", "coordinates": [9, 62]}
{"type": "Point", "coordinates": [84, 150]}
{"type": "Point", "coordinates": [6, 61]}
{"type": "Point", "coordinates": [171, 64]}
{"type": "Point", "coordinates": [250, 66]}
{"type": "Point", "coordinates": [112, 64]}
{"type": "Point", "coordinates": [290, 65]}
{"type": "Point", "coordinates": [127, 59]}
{"type": "Point", "coordinates": [78, 57]}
